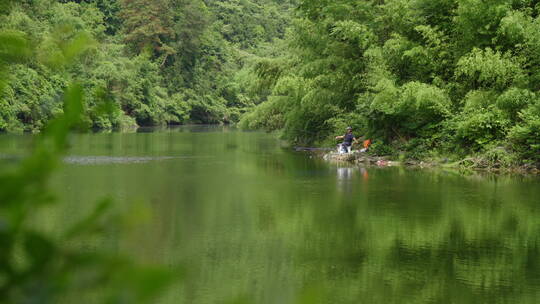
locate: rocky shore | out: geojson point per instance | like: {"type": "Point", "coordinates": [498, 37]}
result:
{"type": "Point", "coordinates": [362, 158]}
{"type": "Point", "coordinates": [358, 157]}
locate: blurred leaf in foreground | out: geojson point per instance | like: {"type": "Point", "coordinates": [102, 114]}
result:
{"type": "Point", "coordinates": [39, 268]}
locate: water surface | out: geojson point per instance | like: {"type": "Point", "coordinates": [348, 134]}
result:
{"type": "Point", "coordinates": [248, 217]}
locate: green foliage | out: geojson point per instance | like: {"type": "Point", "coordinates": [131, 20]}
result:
{"type": "Point", "coordinates": [489, 69]}
{"type": "Point", "coordinates": [36, 266]}
{"type": "Point", "coordinates": [498, 156]}
{"type": "Point", "coordinates": [415, 108]}
{"type": "Point", "coordinates": [453, 75]}
{"type": "Point", "coordinates": [147, 24]}
{"type": "Point", "coordinates": [268, 116]}
{"type": "Point", "coordinates": [418, 148]}
{"type": "Point", "coordinates": [13, 48]}
{"type": "Point", "coordinates": [379, 148]}
{"type": "Point", "coordinates": [481, 126]}
{"type": "Point", "coordinates": [158, 62]}
{"type": "Point", "coordinates": [477, 21]}
{"type": "Point", "coordinates": [248, 23]}
{"type": "Point", "coordinates": [40, 93]}
{"type": "Point", "coordinates": [110, 10]}
{"type": "Point", "coordinates": [526, 135]}
{"type": "Point", "coordinates": [514, 100]}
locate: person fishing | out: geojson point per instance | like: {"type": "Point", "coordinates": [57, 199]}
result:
{"type": "Point", "coordinates": [348, 141]}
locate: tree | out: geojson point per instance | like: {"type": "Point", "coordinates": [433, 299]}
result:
{"type": "Point", "coordinates": [148, 25]}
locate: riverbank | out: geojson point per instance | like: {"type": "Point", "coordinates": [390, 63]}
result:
{"type": "Point", "coordinates": [465, 164]}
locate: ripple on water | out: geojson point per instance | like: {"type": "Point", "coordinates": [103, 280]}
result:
{"type": "Point", "coordinates": [98, 160]}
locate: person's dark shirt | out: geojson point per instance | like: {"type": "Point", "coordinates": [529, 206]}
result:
{"type": "Point", "coordinates": [348, 139]}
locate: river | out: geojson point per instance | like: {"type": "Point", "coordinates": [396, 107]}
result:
{"type": "Point", "coordinates": [247, 217]}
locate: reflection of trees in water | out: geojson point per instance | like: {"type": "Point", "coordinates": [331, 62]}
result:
{"type": "Point", "coordinates": [461, 269]}
{"type": "Point", "coordinates": [421, 237]}
{"type": "Point", "coordinates": [268, 225]}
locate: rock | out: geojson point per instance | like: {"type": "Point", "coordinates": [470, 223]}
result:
{"type": "Point", "coordinates": [382, 163]}
{"type": "Point", "coordinates": [359, 157]}
{"type": "Point", "coordinates": [354, 157]}
{"type": "Point", "coordinates": [342, 157]}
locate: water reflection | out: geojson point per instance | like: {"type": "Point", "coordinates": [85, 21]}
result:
{"type": "Point", "coordinates": [247, 217]}
{"type": "Point", "coordinates": [345, 173]}
{"type": "Point", "coordinates": [344, 179]}
{"type": "Point", "coordinates": [350, 177]}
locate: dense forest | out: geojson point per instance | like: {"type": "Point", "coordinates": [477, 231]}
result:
{"type": "Point", "coordinates": [422, 78]}
{"type": "Point", "coordinates": [442, 80]}
{"type": "Point", "coordinates": [157, 62]}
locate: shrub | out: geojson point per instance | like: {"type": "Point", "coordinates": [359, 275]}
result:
{"type": "Point", "coordinates": [489, 69]}
{"type": "Point", "coordinates": [498, 157]}
{"type": "Point", "coordinates": [525, 136]}
{"type": "Point", "coordinates": [416, 108]}
{"type": "Point", "coordinates": [480, 121]}
{"type": "Point", "coordinates": [379, 148]}
{"type": "Point", "coordinates": [481, 127]}
{"type": "Point", "coordinates": [417, 148]}
{"type": "Point", "coordinates": [514, 100]}
{"type": "Point", "coordinates": [268, 116]}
